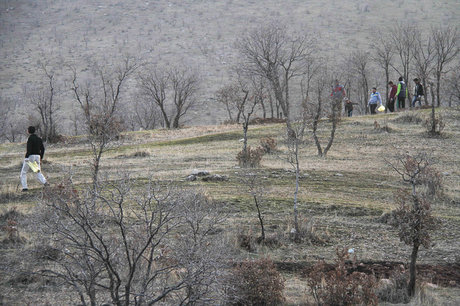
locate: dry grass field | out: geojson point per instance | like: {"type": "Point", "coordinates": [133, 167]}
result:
{"type": "Point", "coordinates": [342, 196]}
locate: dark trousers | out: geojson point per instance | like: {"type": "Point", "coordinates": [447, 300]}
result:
{"type": "Point", "coordinates": [373, 107]}
{"type": "Point", "coordinates": [350, 113]}
{"type": "Point", "coordinates": [391, 105]}
{"type": "Point", "coordinates": [402, 102]}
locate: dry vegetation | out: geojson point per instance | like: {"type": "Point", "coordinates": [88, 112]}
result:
{"type": "Point", "coordinates": [61, 32]}
{"type": "Point", "coordinates": [344, 199]}
{"type": "Point", "coordinates": [228, 214]}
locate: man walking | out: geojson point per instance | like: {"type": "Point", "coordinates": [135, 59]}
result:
{"type": "Point", "coordinates": [418, 93]}
{"type": "Point", "coordinates": [35, 152]}
{"type": "Point", "coordinates": [391, 99]}
{"type": "Point", "coordinates": [374, 100]}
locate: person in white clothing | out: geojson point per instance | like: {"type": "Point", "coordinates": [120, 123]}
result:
{"type": "Point", "coordinates": [35, 152]}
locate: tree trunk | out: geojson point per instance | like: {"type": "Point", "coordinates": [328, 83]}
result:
{"type": "Point", "coordinates": [387, 80]}
{"type": "Point", "coordinates": [315, 126]}
{"type": "Point", "coordinates": [297, 178]}
{"type": "Point", "coordinates": [270, 99]}
{"type": "Point", "coordinates": [438, 89]}
{"type": "Point", "coordinates": [334, 126]}
{"type": "Point", "coordinates": [261, 221]}
{"type": "Point", "coordinates": [425, 92]}
{"type": "Point", "coordinates": [412, 270]}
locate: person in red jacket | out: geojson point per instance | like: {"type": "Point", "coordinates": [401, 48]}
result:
{"type": "Point", "coordinates": [337, 94]}
{"type": "Point", "coordinates": [391, 98]}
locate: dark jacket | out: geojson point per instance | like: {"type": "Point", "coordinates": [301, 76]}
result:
{"type": "Point", "coordinates": [35, 146]}
{"type": "Point", "coordinates": [418, 90]}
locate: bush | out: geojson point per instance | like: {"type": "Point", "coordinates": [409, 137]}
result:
{"type": "Point", "coordinates": [268, 144]}
{"type": "Point", "coordinates": [409, 118]}
{"type": "Point", "coordinates": [338, 287]}
{"type": "Point", "coordinates": [256, 283]}
{"type": "Point", "coordinates": [9, 225]}
{"type": "Point", "coordinates": [246, 241]}
{"type": "Point", "coordinates": [394, 290]}
{"type": "Point", "coordinates": [433, 183]}
{"type": "Point", "coordinates": [250, 158]}
{"type": "Point", "coordinates": [438, 125]}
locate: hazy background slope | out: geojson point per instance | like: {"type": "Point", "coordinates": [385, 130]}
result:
{"type": "Point", "coordinates": [198, 33]}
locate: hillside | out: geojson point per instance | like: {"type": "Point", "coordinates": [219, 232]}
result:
{"type": "Point", "coordinates": [196, 33]}
{"type": "Point", "coordinates": [343, 196]}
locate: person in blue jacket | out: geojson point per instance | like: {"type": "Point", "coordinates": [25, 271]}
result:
{"type": "Point", "coordinates": [374, 100]}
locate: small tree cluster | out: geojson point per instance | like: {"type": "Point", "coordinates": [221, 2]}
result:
{"type": "Point", "coordinates": [250, 158]}
{"type": "Point", "coordinates": [338, 286]}
{"type": "Point", "coordinates": [256, 283]}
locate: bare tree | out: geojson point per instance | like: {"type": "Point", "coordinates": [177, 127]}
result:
{"type": "Point", "coordinates": [384, 52]}
{"type": "Point", "coordinates": [316, 113]}
{"type": "Point", "coordinates": [227, 96]}
{"type": "Point", "coordinates": [201, 255]}
{"type": "Point", "coordinates": [132, 244]}
{"type": "Point", "coordinates": [146, 115]}
{"type": "Point", "coordinates": [446, 49]}
{"type": "Point", "coordinates": [403, 36]}
{"type": "Point", "coordinates": [359, 62]}
{"type": "Point", "coordinates": [185, 87]}
{"type": "Point", "coordinates": [43, 99]}
{"type": "Point", "coordinates": [173, 91]}
{"type": "Point", "coordinates": [424, 55]}
{"type": "Point", "coordinates": [453, 85]}
{"type": "Point", "coordinates": [413, 215]}
{"type": "Point", "coordinates": [99, 102]}
{"type": "Point", "coordinates": [12, 125]}
{"type": "Point", "coordinates": [270, 52]}
{"type": "Point", "coordinates": [153, 87]}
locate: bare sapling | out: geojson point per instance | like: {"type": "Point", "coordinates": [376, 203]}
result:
{"type": "Point", "coordinates": [100, 104]}
{"type": "Point", "coordinates": [256, 190]}
{"type": "Point", "coordinates": [295, 141]}
{"type": "Point", "coordinates": [43, 98]}
{"type": "Point", "coordinates": [414, 219]}
{"type": "Point", "coordinates": [316, 112]}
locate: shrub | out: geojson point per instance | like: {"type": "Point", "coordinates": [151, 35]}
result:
{"type": "Point", "coordinates": [394, 290]}
{"type": "Point", "coordinates": [338, 287]}
{"type": "Point", "coordinates": [9, 222]}
{"type": "Point", "coordinates": [250, 158]}
{"type": "Point", "coordinates": [268, 144]}
{"type": "Point", "coordinates": [256, 283]}
{"type": "Point", "coordinates": [246, 241]}
{"type": "Point", "coordinates": [436, 127]}
{"type": "Point", "coordinates": [433, 183]}
{"type": "Point", "coordinates": [409, 118]}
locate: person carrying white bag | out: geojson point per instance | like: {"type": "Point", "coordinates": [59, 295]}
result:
{"type": "Point", "coordinates": [35, 152]}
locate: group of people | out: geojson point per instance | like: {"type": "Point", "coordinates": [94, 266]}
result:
{"type": "Point", "coordinates": [398, 95]}
{"type": "Point", "coordinates": [396, 100]}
